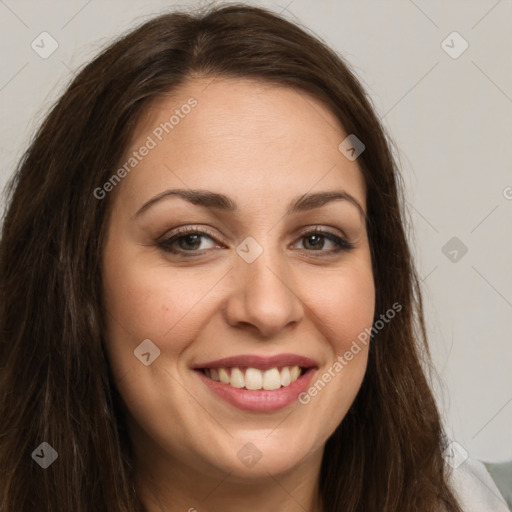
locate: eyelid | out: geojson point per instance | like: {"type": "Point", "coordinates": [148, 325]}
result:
{"type": "Point", "coordinates": [341, 242]}
{"type": "Point", "coordinates": [324, 229]}
{"type": "Point", "coordinates": [185, 230]}
{"type": "Point", "coordinates": [201, 229]}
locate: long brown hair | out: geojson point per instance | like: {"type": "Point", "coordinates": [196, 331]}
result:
{"type": "Point", "coordinates": [56, 385]}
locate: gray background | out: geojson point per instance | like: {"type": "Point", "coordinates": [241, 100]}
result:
{"type": "Point", "coordinates": [450, 118]}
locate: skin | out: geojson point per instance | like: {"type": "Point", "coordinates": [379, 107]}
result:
{"type": "Point", "coordinates": [262, 145]}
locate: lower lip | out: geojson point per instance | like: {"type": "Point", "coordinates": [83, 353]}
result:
{"type": "Point", "coordinates": [259, 400]}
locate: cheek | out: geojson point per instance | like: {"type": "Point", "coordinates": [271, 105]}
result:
{"type": "Point", "coordinates": [155, 302]}
{"type": "Point", "coordinates": [148, 301]}
{"type": "Point", "coordinates": [345, 306]}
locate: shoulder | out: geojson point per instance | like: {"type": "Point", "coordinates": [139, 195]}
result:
{"type": "Point", "coordinates": [475, 487]}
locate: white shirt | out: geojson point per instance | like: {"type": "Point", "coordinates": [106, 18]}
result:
{"type": "Point", "coordinates": [475, 488]}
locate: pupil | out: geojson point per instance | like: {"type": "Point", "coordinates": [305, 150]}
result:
{"type": "Point", "coordinates": [318, 240]}
{"type": "Point", "coordinates": [193, 239]}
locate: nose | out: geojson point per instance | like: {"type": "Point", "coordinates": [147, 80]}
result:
{"type": "Point", "coordinates": [264, 295]}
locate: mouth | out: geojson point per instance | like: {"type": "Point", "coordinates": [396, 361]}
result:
{"type": "Point", "coordinates": [258, 383]}
{"type": "Point", "coordinates": [255, 379]}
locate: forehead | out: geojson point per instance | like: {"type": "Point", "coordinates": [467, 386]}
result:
{"type": "Point", "coordinates": [243, 137]}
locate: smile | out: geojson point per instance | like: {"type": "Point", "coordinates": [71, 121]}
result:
{"type": "Point", "coordinates": [254, 378]}
{"type": "Point", "coordinates": [256, 383]}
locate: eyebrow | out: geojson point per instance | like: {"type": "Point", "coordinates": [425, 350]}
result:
{"type": "Point", "coordinates": [222, 202]}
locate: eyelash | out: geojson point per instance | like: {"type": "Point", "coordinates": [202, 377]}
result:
{"type": "Point", "coordinates": [166, 244]}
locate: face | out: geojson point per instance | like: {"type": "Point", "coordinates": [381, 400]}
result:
{"type": "Point", "coordinates": [226, 303]}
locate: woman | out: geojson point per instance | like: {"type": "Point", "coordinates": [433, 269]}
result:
{"type": "Point", "coordinates": [208, 301]}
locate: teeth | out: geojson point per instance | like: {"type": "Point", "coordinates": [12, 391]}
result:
{"type": "Point", "coordinates": [271, 379]}
{"type": "Point", "coordinates": [286, 378]}
{"type": "Point", "coordinates": [237, 378]}
{"type": "Point", "coordinates": [223, 376]}
{"type": "Point", "coordinates": [253, 378]}
{"type": "Point", "coordinates": [294, 373]}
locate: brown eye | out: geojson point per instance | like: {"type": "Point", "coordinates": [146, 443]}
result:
{"type": "Point", "coordinates": [315, 241]}
{"type": "Point", "coordinates": [187, 240]}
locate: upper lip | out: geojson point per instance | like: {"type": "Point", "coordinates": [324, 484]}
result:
{"type": "Point", "coordinates": [260, 362]}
